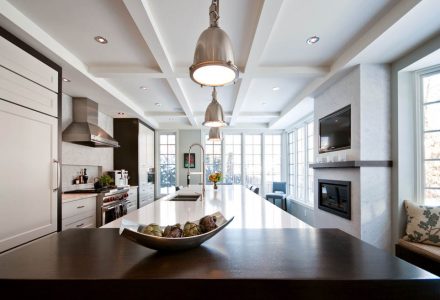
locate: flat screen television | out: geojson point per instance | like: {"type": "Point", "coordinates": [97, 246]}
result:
{"type": "Point", "coordinates": [335, 131]}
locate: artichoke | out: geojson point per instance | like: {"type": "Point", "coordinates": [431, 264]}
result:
{"type": "Point", "coordinates": [173, 231]}
{"type": "Point", "coordinates": [207, 223]}
{"type": "Point", "coordinates": [152, 229]}
{"type": "Point", "coordinates": [191, 229]}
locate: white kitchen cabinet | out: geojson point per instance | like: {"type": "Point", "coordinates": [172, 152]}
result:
{"type": "Point", "coordinates": [132, 198]}
{"type": "Point", "coordinates": [150, 148]}
{"type": "Point", "coordinates": [29, 176]}
{"type": "Point", "coordinates": [146, 194]}
{"type": "Point", "coordinates": [18, 89]}
{"type": "Point", "coordinates": [26, 65]}
{"type": "Point", "coordinates": [79, 213]}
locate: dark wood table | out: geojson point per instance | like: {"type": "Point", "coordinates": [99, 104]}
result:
{"type": "Point", "coordinates": [235, 264]}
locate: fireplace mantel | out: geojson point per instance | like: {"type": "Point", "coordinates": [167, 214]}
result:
{"type": "Point", "coordinates": [352, 164]}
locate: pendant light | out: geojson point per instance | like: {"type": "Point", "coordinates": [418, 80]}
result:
{"type": "Point", "coordinates": [214, 116]}
{"type": "Point", "coordinates": [214, 58]}
{"type": "Point", "coordinates": [215, 134]}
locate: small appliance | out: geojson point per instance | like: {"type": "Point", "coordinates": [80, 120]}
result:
{"type": "Point", "coordinates": [119, 177]}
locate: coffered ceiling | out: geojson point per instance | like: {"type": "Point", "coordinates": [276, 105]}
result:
{"type": "Point", "coordinates": [151, 44]}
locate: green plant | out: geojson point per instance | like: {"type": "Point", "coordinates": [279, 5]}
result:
{"type": "Point", "coordinates": [105, 180]}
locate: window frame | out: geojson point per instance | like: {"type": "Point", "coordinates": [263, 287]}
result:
{"type": "Point", "coordinates": [420, 131]}
{"type": "Point", "coordinates": [176, 162]}
{"type": "Point", "coordinates": [294, 130]}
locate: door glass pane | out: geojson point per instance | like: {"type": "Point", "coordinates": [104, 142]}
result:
{"type": "Point", "coordinates": [432, 174]}
{"type": "Point", "coordinates": [431, 88]}
{"type": "Point", "coordinates": [432, 145]}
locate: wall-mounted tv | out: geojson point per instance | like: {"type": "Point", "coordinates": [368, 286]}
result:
{"type": "Point", "coordinates": [335, 131]}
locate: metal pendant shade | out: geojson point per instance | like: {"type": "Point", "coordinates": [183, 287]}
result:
{"type": "Point", "coordinates": [215, 134]}
{"type": "Point", "coordinates": [214, 116]}
{"type": "Point", "coordinates": [214, 58]}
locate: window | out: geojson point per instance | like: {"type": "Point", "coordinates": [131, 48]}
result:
{"type": "Point", "coordinates": [167, 156]}
{"type": "Point", "coordinates": [300, 147]}
{"type": "Point", "coordinates": [272, 160]}
{"type": "Point", "coordinates": [213, 157]}
{"type": "Point", "coordinates": [310, 185]}
{"type": "Point", "coordinates": [292, 163]}
{"type": "Point", "coordinates": [252, 159]}
{"type": "Point", "coordinates": [232, 159]}
{"type": "Point", "coordinates": [430, 138]}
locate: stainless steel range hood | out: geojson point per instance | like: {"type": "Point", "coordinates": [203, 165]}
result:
{"type": "Point", "coordinates": [84, 129]}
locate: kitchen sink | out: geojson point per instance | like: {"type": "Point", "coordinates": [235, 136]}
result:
{"type": "Point", "coordinates": [185, 198]}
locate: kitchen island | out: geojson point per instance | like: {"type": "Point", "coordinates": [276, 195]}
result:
{"type": "Point", "coordinates": [248, 209]}
{"type": "Point", "coordinates": [244, 261]}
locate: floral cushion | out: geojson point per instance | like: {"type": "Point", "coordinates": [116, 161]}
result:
{"type": "Point", "coordinates": [423, 225]}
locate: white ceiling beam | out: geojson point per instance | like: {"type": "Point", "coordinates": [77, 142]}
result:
{"type": "Point", "coordinates": [344, 60]}
{"type": "Point", "coordinates": [287, 71]}
{"type": "Point", "coordinates": [143, 18]}
{"type": "Point", "coordinates": [268, 15]}
{"type": "Point", "coordinates": [33, 30]}
{"type": "Point", "coordinates": [262, 114]}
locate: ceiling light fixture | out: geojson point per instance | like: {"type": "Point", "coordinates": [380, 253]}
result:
{"type": "Point", "coordinates": [121, 114]}
{"type": "Point", "coordinates": [213, 63]}
{"type": "Point", "coordinates": [313, 40]}
{"type": "Point", "coordinates": [65, 79]}
{"type": "Point", "coordinates": [101, 40]}
{"type": "Point", "coordinates": [215, 134]}
{"type": "Point", "coordinates": [276, 88]}
{"type": "Point", "coordinates": [214, 116]}
{"type": "Point", "coordinates": [158, 104]}
{"type": "Point", "coordinates": [143, 88]}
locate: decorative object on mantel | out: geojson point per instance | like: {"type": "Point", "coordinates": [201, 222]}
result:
{"type": "Point", "coordinates": [189, 160]}
{"type": "Point", "coordinates": [215, 134]}
{"type": "Point", "coordinates": [215, 177]}
{"type": "Point", "coordinates": [353, 164]}
{"type": "Point", "coordinates": [214, 58]}
{"type": "Point", "coordinates": [149, 236]}
{"type": "Point", "coordinates": [423, 225]}
{"type": "Point", "coordinates": [214, 116]}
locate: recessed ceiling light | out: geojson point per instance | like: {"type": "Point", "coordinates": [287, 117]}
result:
{"type": "Point", "coordinates": [65, 79]}
{"type": "Point", "coordinates": [263, 103]}
{"type": "Point", "coordinates": [276, 88]}
{"type": "Point", "coordinates": [171, 119]}
{"type": "Point", "coordinates": [312, 40]}
{"type": "Point", "coordinates": [143, 88]}
{"type": "Point", "coordinates": [158, 104]}
{"type": "Point", "coordinates": [121, 114]}
{"type": "Point", "coordinates": [101, 40]}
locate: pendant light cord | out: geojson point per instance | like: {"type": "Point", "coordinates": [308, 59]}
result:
{"type": "Point", "coordinates": [214, 13]}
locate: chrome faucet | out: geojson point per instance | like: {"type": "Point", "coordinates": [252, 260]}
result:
{"type": "Point", "coordinates": [188, 174]}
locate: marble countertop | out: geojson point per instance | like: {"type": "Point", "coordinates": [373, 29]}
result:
{"type": "Point", "coordinates": [73, 197]}
{"type": "Point", "coordinates": [249, 209]}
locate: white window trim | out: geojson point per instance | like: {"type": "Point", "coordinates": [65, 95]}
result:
{"type": "Point", "coordinates": [419, 132]}
{"type": "Point", "coordinates": [294, 128]}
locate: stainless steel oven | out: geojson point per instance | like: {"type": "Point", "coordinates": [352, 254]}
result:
{"type": "Point", "coordinates": [111, 206]}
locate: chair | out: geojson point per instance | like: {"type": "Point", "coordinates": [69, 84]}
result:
{"type": "Point", "coordinates": [278, 195]}
{"type": "Point", "coordinates": [256, 190]}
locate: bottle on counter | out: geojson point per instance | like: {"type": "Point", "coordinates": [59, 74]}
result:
{"type": "Point", "coordinates": [85, 177]}
{"type": "Point", "coordinates": [80, 177]}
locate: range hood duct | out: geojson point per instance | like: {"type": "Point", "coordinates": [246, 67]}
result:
{"type": "Point", "coordinates": [84, 129]}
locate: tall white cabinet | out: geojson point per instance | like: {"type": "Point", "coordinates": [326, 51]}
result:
{"type": "Point", "coordinates": [30, 173]}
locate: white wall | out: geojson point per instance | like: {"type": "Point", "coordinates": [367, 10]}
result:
{"type": "Point", "coordinates": [73, 154]}
{"type": "Point", "coordinates": [367, 89]}
{"type": "Point", "coordinates": [186, 139]}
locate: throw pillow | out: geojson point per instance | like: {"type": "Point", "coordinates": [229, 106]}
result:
{"type": "Point", "coordinates": [423, 225]}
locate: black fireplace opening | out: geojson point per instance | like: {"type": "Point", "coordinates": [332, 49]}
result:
{"type": "Point", "coordinates": [334, 196]}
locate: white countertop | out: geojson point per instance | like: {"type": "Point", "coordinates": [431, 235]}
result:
{"type": "Point", "coordinates": [249, 209]}
{"type": "Point", "coordinates": [73, 197]}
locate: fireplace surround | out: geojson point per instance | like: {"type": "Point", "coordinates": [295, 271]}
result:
{"type": "Point", "coordinates": [334, 196]}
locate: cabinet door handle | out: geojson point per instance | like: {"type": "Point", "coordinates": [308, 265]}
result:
{"type": "Point", "coordinates": [55, 161]}
{"type": "Point", "coordinates": [79, 225]}
{"type": "Point", "coordinates": [81, 206]}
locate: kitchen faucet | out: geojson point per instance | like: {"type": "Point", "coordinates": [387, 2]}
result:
{"type": "Point", "coordinates": [188, 175]}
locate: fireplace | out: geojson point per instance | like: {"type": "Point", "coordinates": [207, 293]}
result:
{"type": "Point", "coordinates": [334, 196]}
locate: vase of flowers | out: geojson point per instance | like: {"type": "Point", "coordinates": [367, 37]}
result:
{"type": "Point", "coordinates": [215, 177]}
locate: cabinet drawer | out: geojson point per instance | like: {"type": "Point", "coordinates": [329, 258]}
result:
{"type": "Point", "coordinates": [19, 90]}
{"type": "Point", "coordinates": [89, 222]}
{"type": "Point", "coordinates": [78, 207]}
{"type": "Point", "coordinates": [21, 62]}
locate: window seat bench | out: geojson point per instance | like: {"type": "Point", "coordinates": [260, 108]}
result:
{"type": "Point", "coordinates": [424, 256]}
